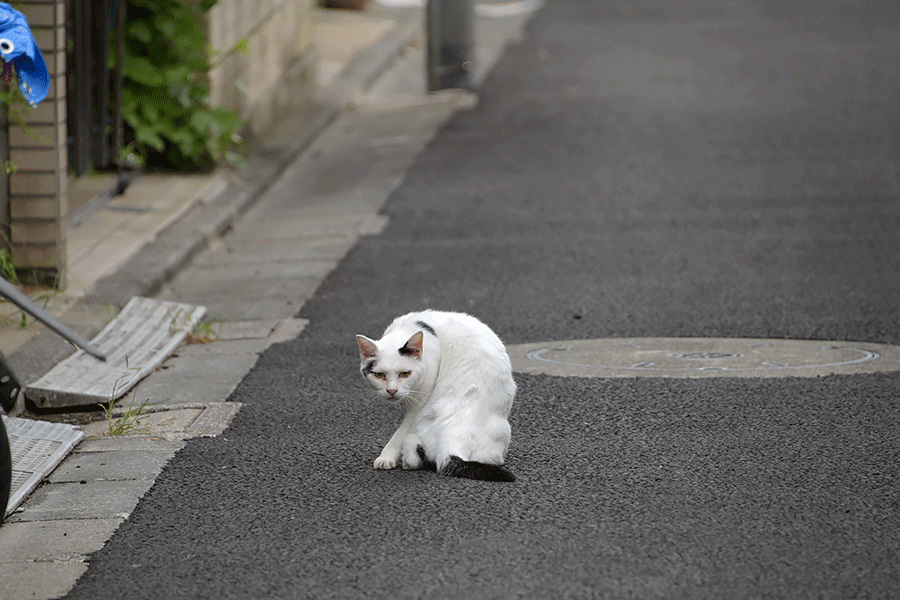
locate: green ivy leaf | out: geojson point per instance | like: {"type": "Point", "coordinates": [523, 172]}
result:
{"type": "Point", "coordinates": [139, 30]}
{"type": "Point", "coordinates": [142, 71]}
{"type": "Point", "coordinates": [165, 100]}
{"type": "Point", "coordinates": [147, 135]}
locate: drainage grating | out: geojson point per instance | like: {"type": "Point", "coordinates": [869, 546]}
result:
{"type": "Point", "coordinates": [37, 448]}
{"type": "Point", "coordinates": [702, 357]}
{"type": "Point", "coordinates": [136, 342]}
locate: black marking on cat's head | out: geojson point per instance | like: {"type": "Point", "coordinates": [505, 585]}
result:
{"type": "Point", "coordinates": [369, 367]}
{"type": "Point", "coordinates": [413, 346]}
{"type": "Point", "coordinates": [426, 327]}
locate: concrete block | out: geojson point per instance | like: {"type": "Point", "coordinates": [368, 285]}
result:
{"type": "Point", "coordinates": [290, 269]}
{"type": "Point", "coordinates": [176, 422]}
{"type": "Point", "coordinates": [35, 159]}
{"type": "Point", "coordinates": [43, 183]}
{"type": "Point", "coordinates": [221, 373]}
{"type": "Point", "coordinates": [229, 297]}
{"type": "Point", "coordinates": [323, 237]}
{"type": "Point", "coordinates": [36, 135]}
{"type": "Point", "coordinates": [219, 349]}
{"type": "Point", "coordinates": [49, 37]}
{"type": "Point", "coordinates": [45, 207]}
{"type": "Point", "coordinates": [38, 580]}
{"type": "Point", "coordinates": [44, 256]}
{"type": "Point", "coordinates": [245, 330]}
{"type": "Point", "coordinates": [34, 231]}
{"type": "Point", "coordinates": [271, 330]}
{"type": "Point", "coordinates": [112, 466]}
{"type": "Point", "coordinates": [61, 541]}
{"type": "Point", "coordinates": [52, 109]}
{"type": "Point", "coordinates": [43, 14]}
{"type": "Point", "coordinates": [55, 61]}
{"type": "Point", "coordinates": [91, 500]}
{"type": "Point", "coordinates": [128, 443]}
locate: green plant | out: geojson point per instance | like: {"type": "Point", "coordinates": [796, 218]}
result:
{"type": "Point", "coordinates": [205, 332]}
{"type": "Point", "coordinates": [16, 107]}
{"type": "Point", "coordinates": [128, 421]}
{"type": "Point", "coordinates": [7, 266]}
{"type": "Point", "coordinates": [165, 100]}
{"type": "Point", "coordinates": [8, 272]}
{"type": "Point", "coordinates": [130, 418]}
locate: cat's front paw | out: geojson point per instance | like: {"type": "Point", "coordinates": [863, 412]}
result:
{"type": "Point", "coordinates": [385, 462]}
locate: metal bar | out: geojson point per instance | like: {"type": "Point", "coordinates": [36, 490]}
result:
{"type": "Point", "coordinates": [118, 126]}
{"type": "Point", "coordinates": [82, 87]}
{"type": "Point", "coordinates": [11, 293]}
{"type": "Point", "coordinates": [451, 34]}
{"type": "Point", "coordinates": [99, 49]}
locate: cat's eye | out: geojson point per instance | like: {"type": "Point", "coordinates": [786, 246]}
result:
{"type": "Point", "coordinates": [404, 374]}
{"type": "Point", "coordinates": [379, 375]}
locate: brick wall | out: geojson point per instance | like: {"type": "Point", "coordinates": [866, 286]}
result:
{"type": "Point", "coordinates": [266, 60]}
{"type": "Point", "coordinates": [38, 187]}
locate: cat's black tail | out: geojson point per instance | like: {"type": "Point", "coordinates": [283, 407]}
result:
{"type": "Point", "coordinates": [467, 469]}
{"type": "Point", "coordinates": [476, 470]}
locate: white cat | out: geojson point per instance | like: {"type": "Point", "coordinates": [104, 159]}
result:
{"type": "Point", "coordinates": [454, 377]}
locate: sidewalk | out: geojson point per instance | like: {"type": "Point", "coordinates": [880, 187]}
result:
{"type": "Point", "coordinates": [250, 246]}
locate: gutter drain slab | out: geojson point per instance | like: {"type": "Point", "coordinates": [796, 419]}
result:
{"type": "Point", "coordinates": [703, 357]}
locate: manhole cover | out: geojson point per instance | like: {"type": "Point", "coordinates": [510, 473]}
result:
{"type": "Point", "coordinates": [702, 357]}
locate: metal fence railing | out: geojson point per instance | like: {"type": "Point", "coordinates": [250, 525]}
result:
{"type": "Point", "coordinates": [95, 32]}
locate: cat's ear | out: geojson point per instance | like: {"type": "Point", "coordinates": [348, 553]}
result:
{"type": "Point", "coordinates": [367, 348]}
{"type": "Point", "coordinates": [413, 346]}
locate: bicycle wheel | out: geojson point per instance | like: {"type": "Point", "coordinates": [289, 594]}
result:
{"type": "Point", "coordinates": [5, 470]}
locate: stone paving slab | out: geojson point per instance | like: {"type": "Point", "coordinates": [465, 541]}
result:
{"type": "Point", "coordinates": [90, 500]}
{"type": "Point", "coordinates": [173, 422]}
{"type": "Point", "coordinates": [44, 579]}
{"type": "Point", "coordinates": [68, 538]}
{"type": "Point", "coordinates": [112, 465]}
{"type": "Point", "coordinates": [248, 250]}
{"type": "Point", "coordinates": [127, 443]}
{"type": "Point", "coordinates": [234, 299]}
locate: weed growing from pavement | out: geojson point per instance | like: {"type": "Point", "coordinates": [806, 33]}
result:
{"type": "Point", "coordinates": [128, 421]}
{"type": "Point", "coordinates": [205, 332]}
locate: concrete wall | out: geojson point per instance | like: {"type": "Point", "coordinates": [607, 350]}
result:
{"type": "Point", "coordinates": [266, 60]}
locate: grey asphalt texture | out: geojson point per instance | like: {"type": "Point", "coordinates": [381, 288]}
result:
{"type": "Point", "coordinates": [632, 169]}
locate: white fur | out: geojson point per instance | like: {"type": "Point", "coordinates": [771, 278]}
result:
{"type": "Point", "coordinates": [457, 392]}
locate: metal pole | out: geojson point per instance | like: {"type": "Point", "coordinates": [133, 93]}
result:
{"type": "Point", "coordinates": [451, 34]}
{"type": "Point", "coordinates": [11, 293]}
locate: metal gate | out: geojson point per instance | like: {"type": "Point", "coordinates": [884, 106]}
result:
{"type": "Point", "coordinates": [95, 36]}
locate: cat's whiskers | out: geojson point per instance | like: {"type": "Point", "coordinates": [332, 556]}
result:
{"type": "Point", "coordinates": [413, 398]}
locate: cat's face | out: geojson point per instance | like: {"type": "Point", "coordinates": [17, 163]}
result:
{"type": "Point", "coordinates": [394, 372]}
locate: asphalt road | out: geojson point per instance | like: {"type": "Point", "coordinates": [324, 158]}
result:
{"type": "Point", "coordinates": [632, 169]}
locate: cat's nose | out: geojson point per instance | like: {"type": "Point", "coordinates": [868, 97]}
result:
{"type": "Point", "coordinates": [392, 392]}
